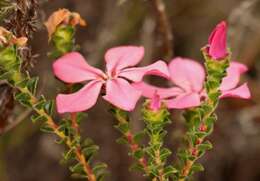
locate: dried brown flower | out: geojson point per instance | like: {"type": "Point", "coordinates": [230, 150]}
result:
{"type": "Point", "coordinates": [63, 16]}
{"type": "Point", "coordinates": [7, 38]}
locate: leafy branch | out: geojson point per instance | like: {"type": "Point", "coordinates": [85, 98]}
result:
{"type": "Point", "coordinates": [131, 140]}
{"type": "Point", "coordinates": [26, 89]}
{"type": "Point", "coordinates": [201, 120]}
{"type": "Point", "coordinates": [155, 121]}
{"type": "Point", "coordinates": [63, 41]}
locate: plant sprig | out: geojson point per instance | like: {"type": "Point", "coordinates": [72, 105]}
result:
{"type": "Point", "coordinates": [63, 41]}
{"type": "Point", "coordinates": [131, 140]}
{"type": "Point", "coordinates": [201, 120]}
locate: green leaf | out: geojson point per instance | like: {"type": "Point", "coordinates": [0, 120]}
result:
{"type": "Point", "coordinates": [101, 177]}
{"type": "Point", "coordinates": [205, 146]}
{"type": "Point", "coordinates": [123, 127]}
{"type": "Point", "coordinates": [87, 142]}
{"type": "Point", "coordinates": [36, 118]}
{"type": "Point", "coordinates": [45, 128]}
{"type": "Point", "coordinates": [22, 83]}
{"type": "Point", "coordinates": [200, 134]}
{"type": "Point", "coordinates": [139, 136]}
{"type": "Point", "coordinates": [90, 151]}
{"type": "Point", "coordinates": [122, 141]}
{"type": "Point", "coordinates": [138, 154]}
{"type": "Point", "coordinates": [48, 107]}
{"type": "Point", "coordinates": [32, 84]}
{"type": "Point", "coordinates": [197, 167]}
{"type": "Point", "coordinates": [69, 155]}
{"type": "Point", "coordinates": [183, 154]}
{"type": "Point", "coordinates": [41, 103]}
{"type": "Point", "coordinates": [136, 167]}
{"type": "Point", "coordinates": [78, 176]}
{"type": "Point", "coordinates": [78, 168]}
{"type": "Point", "coordinates": [165, 153]}
{"type": "Point", "coordinates": [100, 168]}
{"type": "Point", "coordinates": [23, 98]}
{"type": "Point", "coordinates": [170, 170]}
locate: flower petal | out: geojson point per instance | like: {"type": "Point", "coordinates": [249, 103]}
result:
{"type": "Point", "coordinates": [158, 68]}
{"type": "Point", "coordinates": [187, 73]}
{"type": "Point", "coordinates": [121, 94]}
{"type": "Point", "coordinates": [233, 76]}
{"type": "Point", "coordinates": [242, 68]}
{"type": "Point", "coordinates": [72, 68]}
{"type": "Point", "coordinates": [79, 101]}
{"type": "Point", "coordinates": [184, 101]}
{"type": "Point", "coordinates": [149, 90]}
{"type": "Point", "coordinates": [240, 92]}
{"type": "Point", "coordinates": [124, 56]}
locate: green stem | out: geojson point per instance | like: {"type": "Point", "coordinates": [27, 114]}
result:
{"type": "Point", "coordinates": [124, 127]}
{"type": "Point", "coordinates": [201, 120]}
{"type": "Point", "coordinates": [55, 128]}
{"type": "Point", "coordinates": [154, 149]}
{"type": "Point", "coordinates": [155, 122]}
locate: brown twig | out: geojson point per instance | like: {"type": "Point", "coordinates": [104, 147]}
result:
{"type": "Point", "coordinates": [88, 170]}
{"type": "Point", "coordinates": [134, 146]}
{"type": "Point", "coordinates": [51, 123]}
{"type": "Point", "coordinates": [79, 154]}
{"type": "Point", "coordinates": [17, 121]}
{"type": "Point", "coordinates": [194, 149]}
{"type": "Point", "coordinates": [74, 123]}
{"type": "Point", "coordinates": [165, 28]}
{"type": "Point", "coordinates": [73, 116]}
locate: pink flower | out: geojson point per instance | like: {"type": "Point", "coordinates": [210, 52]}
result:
{"type": "Point", "coordinates": [189, 77]}
{"type": "Point", "coordinates": [217, 43]}
{"type": "Point", "coordinates": [73, 68]}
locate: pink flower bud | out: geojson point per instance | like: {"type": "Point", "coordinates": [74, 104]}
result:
{"type": "Point", "coordinates": [155, 103]}
{"type": "Point", "coordinates": [217, 43]}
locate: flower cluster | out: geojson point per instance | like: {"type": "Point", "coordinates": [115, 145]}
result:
{"type": "Point", "coordinates": [73, 68]}
{"type": "Point", "coordinates": [189, 77]}
{"type": "Point", "coordinates": [124, 85]}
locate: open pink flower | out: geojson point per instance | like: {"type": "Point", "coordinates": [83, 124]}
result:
{"type": "Point", "coordinates": [217, 43]}
{"type": "Point", "coordinates": [73, 68]}
{"type": "Point", "coordinates": [188, 76]}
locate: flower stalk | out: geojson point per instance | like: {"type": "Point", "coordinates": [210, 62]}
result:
{"type": "Point", "coordinates": [201, 120]}
{"type": "Point", "coordinates": [61, 28]}
{"type": "Point", "coordinates": [130, 139]}
{"type": "Point", "coordinates": [10, 63]}
{"type": "Point", "coordinates": [55, 128]}
{"type": "Point", "coordinates": [155, 120]}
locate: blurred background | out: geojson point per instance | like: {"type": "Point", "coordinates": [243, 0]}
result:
{"type": "Point", "coordinates": [26, 154]}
